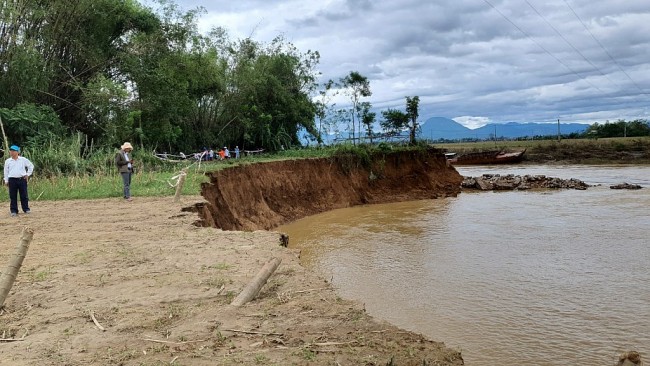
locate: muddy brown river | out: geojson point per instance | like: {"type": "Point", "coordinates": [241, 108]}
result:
{"type": "Point", "coordinates": [556, 277]}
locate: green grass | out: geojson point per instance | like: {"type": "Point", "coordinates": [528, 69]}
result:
{"type": "Point", "coordinates": [106, 186]}
{"type": "Point", "coordinates": [544, 144]}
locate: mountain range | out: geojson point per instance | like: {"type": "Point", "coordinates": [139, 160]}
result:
{"type": "Point", "coordinates": [436, 128]}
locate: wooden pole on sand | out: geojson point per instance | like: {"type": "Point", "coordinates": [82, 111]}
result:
{"type": "Point", "coordinates": [179, 185]}
{"type": "Point", "coordinates": [257, 283]}
{"type": "Point", "coordinates": [9, 275]}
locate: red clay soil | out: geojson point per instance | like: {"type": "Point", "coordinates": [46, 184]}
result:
{"type": "Point", "coordinates": [266, 195]}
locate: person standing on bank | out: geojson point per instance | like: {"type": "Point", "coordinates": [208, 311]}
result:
{"type": "Point", "coordinates": [18, 169]}
{"type": "Point", "coordinates": [124, 163]}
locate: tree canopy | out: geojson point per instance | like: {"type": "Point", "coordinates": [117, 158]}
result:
{"type": "Point", "coordinates": [116, 70]}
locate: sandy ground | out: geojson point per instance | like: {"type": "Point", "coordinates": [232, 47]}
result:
{"type": "Point", "coordinates": [161, 288]}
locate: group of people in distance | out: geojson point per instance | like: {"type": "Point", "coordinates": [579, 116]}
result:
{"type": "Point", "coordinates": [222, 154]}
{"type": "Point", "coordinates": [207, 154]}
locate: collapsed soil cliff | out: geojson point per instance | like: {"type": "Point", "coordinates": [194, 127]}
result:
{"type": "Point", "coordinates": [266, 195]}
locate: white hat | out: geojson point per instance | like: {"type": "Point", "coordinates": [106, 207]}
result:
{"type": "Point", "coordinates": [127, 145]}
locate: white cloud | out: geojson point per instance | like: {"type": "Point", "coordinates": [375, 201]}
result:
{"type": "Point", "coordinates": [472, 122]}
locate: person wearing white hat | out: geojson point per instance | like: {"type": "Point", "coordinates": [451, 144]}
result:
{"type": "Point", "coordinates": [17, 171]}
{"type": "Point", "coordinates": [124, 163]}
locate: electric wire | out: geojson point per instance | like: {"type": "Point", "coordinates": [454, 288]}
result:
{"type": "Point", "coordinates": [603, 47]}
{"type": "Point", "coordinates": [569, 43]}
{"type": "Point", "coordinates": [543, 48]}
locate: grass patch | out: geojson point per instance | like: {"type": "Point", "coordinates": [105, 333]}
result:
{"type": "Point", "coordinates": [39, 276]}
{"type": "Point", "coordinates": [151, 184]}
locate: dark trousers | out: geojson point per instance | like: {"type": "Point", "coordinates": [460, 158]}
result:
{"type": "Point", "coordinates": [18, 186]}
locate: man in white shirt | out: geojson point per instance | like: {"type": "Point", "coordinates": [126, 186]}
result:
{"type": "Point", "coordinates": [18, 169]}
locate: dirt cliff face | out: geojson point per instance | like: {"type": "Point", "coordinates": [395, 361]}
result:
{"type": "Point", "coordinates": [266, 195]}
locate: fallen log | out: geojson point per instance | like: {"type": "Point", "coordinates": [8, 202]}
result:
{"type": "Point", "coordinates": [254, 287]}
{"type": "Point", "coordinates": [9, 275]}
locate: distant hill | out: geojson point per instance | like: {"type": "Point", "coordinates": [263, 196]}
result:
{"type": "Point", "coordinates": [436, 128]}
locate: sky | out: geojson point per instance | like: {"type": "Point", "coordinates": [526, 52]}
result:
{"type": "Point", "coordinates": [475, 61]}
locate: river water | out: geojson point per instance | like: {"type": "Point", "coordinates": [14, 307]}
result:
{"type": "Point", "coordinates": [556, 277]}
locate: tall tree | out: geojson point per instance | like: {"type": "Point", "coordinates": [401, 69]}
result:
{"type": "Point", "coordinates": [356, 87]}
{"type": "Point", "coordinates": [412, 110]}
{"type": "Point", "coordinates": [394, 121]}
{"type": "Point", "coordinates": [323, 106]}
{"type": "Point", "coordinates": [367, 118]}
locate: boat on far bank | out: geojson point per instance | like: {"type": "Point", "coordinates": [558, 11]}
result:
{"type": "Point", "coordinates": [486, 157]}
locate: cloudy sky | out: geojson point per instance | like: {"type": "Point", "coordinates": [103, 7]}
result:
{"type": "Point", "coordinates": [476, 61]}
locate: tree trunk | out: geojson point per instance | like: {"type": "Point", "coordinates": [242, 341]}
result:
{"type": "Point", "coordinates": [254, 287]}
{"type": "Point", "coordinates": [9, 275]}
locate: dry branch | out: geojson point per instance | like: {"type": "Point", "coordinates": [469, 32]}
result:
{"type": "Point", "coordinates": [170, 342]}
{"type": "Point", "coordinates": [92, 316]}
{"type": "Point", "coordinates": [326, 344]}
{"type": "Point", "coordinates": [254, 287]}
{"type": "Point", "coordinates": [251, 332]}
{"type": "Point", "coordinates": [9, 275]}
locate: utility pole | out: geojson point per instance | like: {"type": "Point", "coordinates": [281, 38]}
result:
{"type": "Point", "coordinates": [558, 130]}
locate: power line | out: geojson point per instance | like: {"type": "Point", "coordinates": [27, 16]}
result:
{"type": "Point", "coordinates": [603, 47]}
{"type": "Point", "coordinates": [567, 41]}
{"type": "Point", "coordinates": [543, 48]}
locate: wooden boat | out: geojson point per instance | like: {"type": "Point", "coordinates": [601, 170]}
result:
{"type": "Point", "coordinates": [486, 158]}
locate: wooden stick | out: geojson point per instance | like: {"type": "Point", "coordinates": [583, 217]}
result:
{"type": "Point", "coordinates": [311, 290]}
{"type": "Point", "coordinates": [254, 287]}
{"type": "Point", "coordinates": [11, 339]}
{"type": "Point", "coordinates": [4, 137]}
{"type": "Point", "coordinates": [9, 275]}
{"type": "Point", "coordinates": [325, 344]}
{"type": "Point", "coordinates": [92, 316]}
{"type": "Point", "coordinates": [170, 342]}
{"type": "Point", "coordinates": [251, 332]}
{"type": "Point", "coordinates": [179, 185]}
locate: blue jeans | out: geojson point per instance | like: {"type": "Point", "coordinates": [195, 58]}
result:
{"type": "Point", "coordinates": [18, 186]}
{"type": "Point", "coordinates": [126, 179]}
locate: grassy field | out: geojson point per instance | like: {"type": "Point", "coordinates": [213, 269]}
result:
{"type": "Point", "coordinates": [619, 150]}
